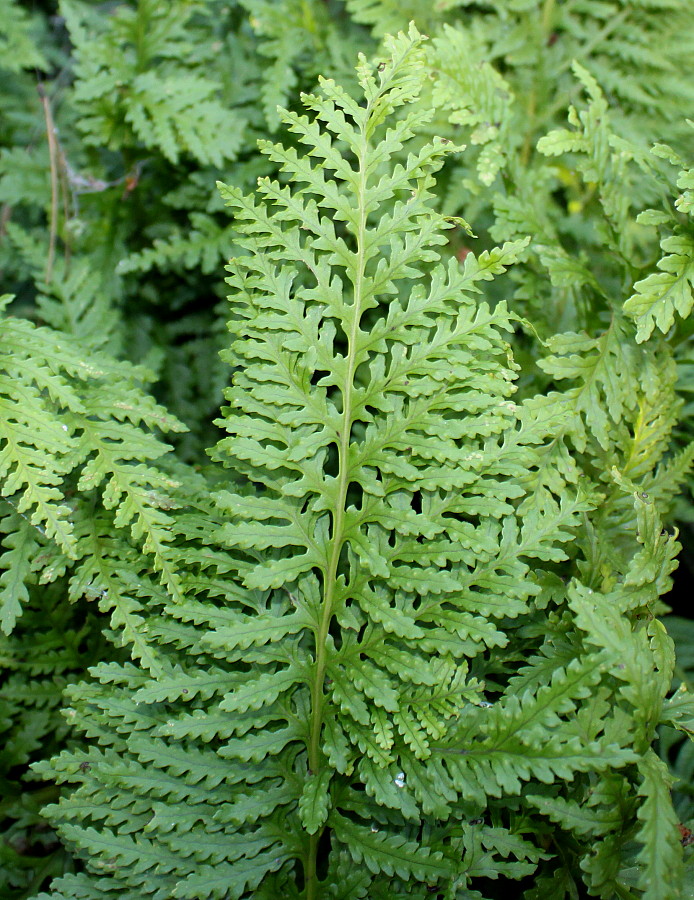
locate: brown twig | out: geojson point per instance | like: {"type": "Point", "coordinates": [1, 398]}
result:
{"type": "Point", "coordinates": [5, 216]}
{"type": "Point", "coordinates": [53, 154]}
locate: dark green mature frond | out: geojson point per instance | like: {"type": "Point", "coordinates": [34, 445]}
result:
{"type": "Point", "coordinates": [661, 856]}
{"type": "Point", "coordinates": [20, 545]}
{"type": "Point", "coordinates": [54, 644]}
{"type": "Point", "coordinates": [18, 46]}
{"type": "Point", "coordinates": [388, 16]}
{"type": "Point", "coordinates": [74, 421]}
{"type": "Point", "coordinates": [173, 107]}
{"type": "Point", "coordinates": [76, 302]}
{"type": "Point", "coordinates": [203, 243]}
{"type": "Point", "coordinates": [311, 36]}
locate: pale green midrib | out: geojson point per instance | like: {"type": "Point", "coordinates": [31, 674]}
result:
{"type": "Point", "coordinates": [338, 539]}
{"type": "Point", "coordinates": [343, 449]}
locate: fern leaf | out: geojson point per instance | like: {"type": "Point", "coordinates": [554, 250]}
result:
{"type": "Point", "coordinates": [602, 366]}
{"type": "Point", "coordinates": [64, 429]}
{"type": "Point", "coordinates": [18, 47]}
{"type": "Point", "coordinates": [314, 803]}
{"type": "Point", "coordinates": [661, 854]}
{"type": "Point", "coordinates": [20, 545]}
{"type": "Point", "coordinates": [227, 881]}
{"type": "Point", "coordinates": [658, 297]}
{"type": "Point", "coordinates": [572, 816]}
{"type": "Point", "coordinates": [181, 114]}
{"type": "Point", "coordinates": [391, 853]}
{"type": "Point", "coordinates": [171, 108]}
{"type": "Point", "coordinates": [646, 669]}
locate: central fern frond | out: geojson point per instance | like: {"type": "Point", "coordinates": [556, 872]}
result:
{"type": "Point", "coordinates": [370, 416]}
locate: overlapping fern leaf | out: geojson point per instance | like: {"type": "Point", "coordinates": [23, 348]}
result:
{"type": "Point", "coordinates": [669, 291]}
{"type": "Point", "coordinates": [372, 681]}
{"type": "Point", "coordinates": [75, 426]}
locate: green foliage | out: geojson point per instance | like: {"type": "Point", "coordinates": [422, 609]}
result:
{"type": "Point", "coordinates": [72, 424]}
{"type": "Point", "coordinates": [52, 646]}
{"type": "Point", "coordinates": [146, 107]}
{"type": "Point", "coordinates": [659, 296]}
{"type": "Point", "coordinates": [171, 107]}
{"type": "Point", "coordinates": [17, 43]}
{"type": "Point", "coordinates": [400, 637]}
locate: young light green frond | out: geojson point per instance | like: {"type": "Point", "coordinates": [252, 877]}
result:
{"type": "Point", "coordinates": [661, 855]}
{"type": "Point", "coordinates": [659, 296]}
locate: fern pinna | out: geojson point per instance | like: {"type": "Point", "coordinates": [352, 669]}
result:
{"type": "Point", "coordinates": [376, 685]}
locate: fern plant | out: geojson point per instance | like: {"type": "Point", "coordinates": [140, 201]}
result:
{"type": "Point", "coordinates": [77, 432]}
{"type": "Point", "coordinates": [85, 515]}
{"type": "Point", "coordinates": [389, 669]}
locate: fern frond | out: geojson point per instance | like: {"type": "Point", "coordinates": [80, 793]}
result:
{"type": "Point", "coordinates": [18, 46]}
{"type": "Point", "coordinates": [174, 108]}
{"type": "Point", "coordinates": [52, 644]}
{"type": "Point", "coordinates": [203, 244]}
{"type": "Point", "coordinates": [661, 294]}
{"type": "Point", "coordinates": [603, 367]}
{"type": "Point", "coordinates": [572, 816]}
{"type": "Point", "coordinates": [77, 304]}
{"type": "Point", "coordinates": [19, 541]}
{"type": "Point", "coordinates": [297, 37]}
{"type": "Point", "coordinates": [661, 855]}
{"type": "Point", "coordinates": [79, 421]}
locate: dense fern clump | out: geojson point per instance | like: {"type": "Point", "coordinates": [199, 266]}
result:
{"type": "Point", "coordinates": [402, 635]}
{"type": "Point", "coordinates": [408, 652]}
